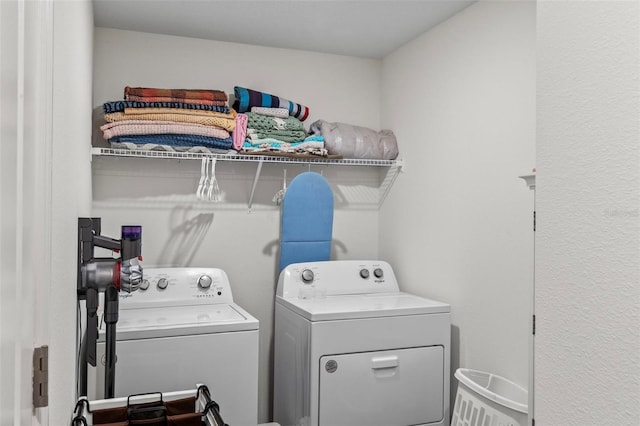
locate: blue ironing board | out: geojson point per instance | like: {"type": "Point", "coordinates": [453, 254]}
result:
{"type": "Point", "coordinates": [307, 220]}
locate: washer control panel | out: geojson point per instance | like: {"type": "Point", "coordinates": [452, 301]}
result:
{"type": "Point", "coordinates": [179, 286]}
{"type": "Point", "coordinates": [321, 279]}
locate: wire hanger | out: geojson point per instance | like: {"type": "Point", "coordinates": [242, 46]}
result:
{"type": "Point", "coordinates": [200, 188]}
{"type": "Point", "coordinates": [214, 190]}
{"type": "Point", "coordinates": [277, 199]}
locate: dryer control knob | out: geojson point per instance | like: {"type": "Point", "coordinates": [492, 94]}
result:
{"type": "Point", "coordinates": [378, 272]}
{"type": "Point", "coordinates": [364, 273]}
{"type": "Point", "coordinates": [204, 281]}
{"type": "Point", "coordinates": [144, 285]}
{"type": "Point", "coordinates": [307, 276]}
{"type": "Point", "coordinates": [162, 283]}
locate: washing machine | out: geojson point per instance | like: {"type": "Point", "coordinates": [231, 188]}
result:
{"type": "Point", "coordinates": [181, 328]}
{"type": "Point", "coordinates": [351, 349]}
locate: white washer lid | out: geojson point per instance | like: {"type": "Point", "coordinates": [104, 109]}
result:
{"type": "Point", "coordinates": [354, 306]}
{"type": "Point", "coordinates": [181, 321]}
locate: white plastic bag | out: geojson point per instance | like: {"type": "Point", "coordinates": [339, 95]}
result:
{"type": "Point", "coordinates": [356, 142]}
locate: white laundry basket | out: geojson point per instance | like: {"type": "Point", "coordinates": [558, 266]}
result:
{"type": "Point", "coordinates": [484, 399]}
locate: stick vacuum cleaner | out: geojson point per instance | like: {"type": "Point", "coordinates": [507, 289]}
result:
{"type": "Point", "coordinates": [108, 275]}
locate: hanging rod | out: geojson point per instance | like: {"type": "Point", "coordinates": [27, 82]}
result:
{"type": "Point", "coordinates": [394, 166]}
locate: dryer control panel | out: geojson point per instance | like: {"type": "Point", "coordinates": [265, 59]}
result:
{"type": "Point", "coordinates": [321, 279]}
{"type": "Point", "coordinates": [179, 286]}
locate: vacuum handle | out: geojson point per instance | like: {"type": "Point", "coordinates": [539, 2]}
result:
{"type": "Point", "coordinates": [92, 325]}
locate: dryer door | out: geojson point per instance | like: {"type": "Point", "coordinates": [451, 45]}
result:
{"type": "Point", "coordinates": [382, 388]}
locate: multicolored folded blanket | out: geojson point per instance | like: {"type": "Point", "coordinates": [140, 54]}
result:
{"type": "Point", "coordinates": [278, 144]}
{"type": "Point", "coordinates": [313, 147]}
{"type": "Point", "coordinates": [263, 122]}
{"type": "Point", "coordinates": [182, 100]}
{"type": "Point", "coordinates": [160, 147]}
{"type": "Point", "coordinates": [273, 112]}
{"type": "Point", "coordinates": [230, 115]}
{"type": "Point", "coordinates": [197, 94]}
{"type": "Point", "coordinates": [283, 135]}
{"type": "Point", "coordinates": [142, 127]}
{"type": "Point", "coordinates": [175, 140]}
{"type": "Point", "coordinates": [118, 106]}
{"type": "Point", "coordinates": [226, 123]}
{"type": "Point", "coordinates": [247, 98]}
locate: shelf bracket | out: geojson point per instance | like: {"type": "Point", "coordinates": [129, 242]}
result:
{"type": "Point", "coordinates": [389, 179]}
{"type": "Point", "coordinates": [255, 182]}
{"type": "Point", "coordinates": [530, 180]}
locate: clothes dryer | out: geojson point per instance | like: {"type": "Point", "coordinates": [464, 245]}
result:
{"type": "Point", "coordinates": [351, 349]}
{"type": "Point", "coordinates": [180, 328]}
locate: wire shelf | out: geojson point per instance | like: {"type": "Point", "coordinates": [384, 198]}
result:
{"type": "Point", "coordinates": [239, 157]}
{"type": "Point", "coordinates": [394, 167]}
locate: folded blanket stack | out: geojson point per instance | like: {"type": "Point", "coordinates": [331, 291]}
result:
{"type": "Point", "coordinates": [266, 132]}
{"type": "Point", "coordinates": [170, 119]}
{"type": "Point", "coordinates": [270, 124]}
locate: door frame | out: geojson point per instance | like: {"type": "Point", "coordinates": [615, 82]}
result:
{"type": "Point", "coordinates": [26, 83]}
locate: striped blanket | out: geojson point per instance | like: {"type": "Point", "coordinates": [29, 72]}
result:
{"type": "Point", "coordinates": [194, 94]}
{"type": "Point", "coordinates": [118, 106]}
{"type": "Point", "coordinates": [181, 100]}
{"type": "Point", "coordinates": [247, 98]}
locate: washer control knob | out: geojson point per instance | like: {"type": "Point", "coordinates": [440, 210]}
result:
{"type": "Point", "coordinates": [378, 272]}
{"type": "Point", "coordinates": [364, 273]}
{"type": "Point", "coordinates": [144, 285]}
{"type": "Point", "coordinates": [204, 282]}
{"type": "Point", "coordinates": [162, 283]}
{"type": "Point", "coordinates": [307, 276]}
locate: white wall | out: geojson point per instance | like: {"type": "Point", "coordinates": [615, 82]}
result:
{"type": "Point", "coordinates": [458, 224]}
{"type": "Point", "coordinates": [158, 194]}
{"type": "Point", "coordinates": [588, 202]}
{"type": "Point", "coordinates": [336, 88]}
{"type": "Point", "coordinates": [71, 191]}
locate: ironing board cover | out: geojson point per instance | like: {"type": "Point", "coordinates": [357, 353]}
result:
{"type": "Point", "coordinates": [307, 220]}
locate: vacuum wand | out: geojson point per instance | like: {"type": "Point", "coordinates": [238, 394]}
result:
{"type": "Point", "coordinates": [110, 319]}
{"type": "Point", "coordinates": [108, 275]}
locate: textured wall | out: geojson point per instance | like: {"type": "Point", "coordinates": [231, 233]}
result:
{"type": "Point", "coordinates": [587, 352]}
{"type": "Point", "coordinates": [458, 225]}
